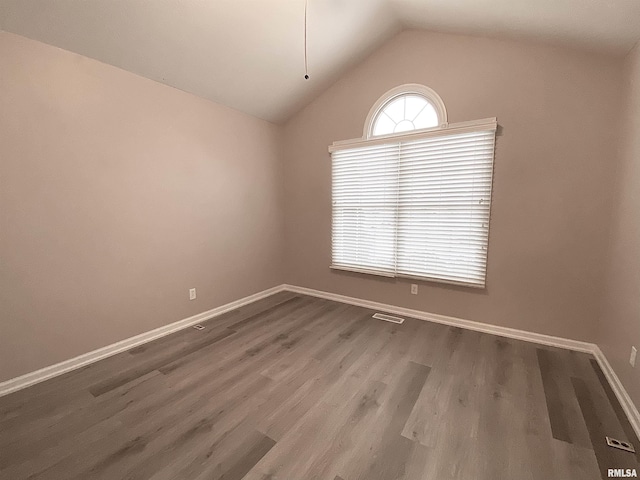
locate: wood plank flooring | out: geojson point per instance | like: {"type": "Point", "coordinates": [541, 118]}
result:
{"type": "Point", "coordinates": [297, 388]}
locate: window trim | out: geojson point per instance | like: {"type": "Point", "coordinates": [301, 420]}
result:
{"type": "Point", "coordinates": [410, 88]}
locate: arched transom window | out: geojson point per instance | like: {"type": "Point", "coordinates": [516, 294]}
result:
{"type": "Point", "coordinates": [404, 109]}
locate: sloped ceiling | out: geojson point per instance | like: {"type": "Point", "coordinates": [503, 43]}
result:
{"type": "Point", "coordinates": [248, 54]}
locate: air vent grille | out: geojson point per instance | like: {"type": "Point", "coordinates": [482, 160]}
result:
{"type": "Point", "coordinates": [388, 318]}
{"type": "Point", "coordinates": [626, 446]}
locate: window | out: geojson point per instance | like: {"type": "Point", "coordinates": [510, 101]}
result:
{"type": "Point", "coordinates": [406, 108]}
{"type": "Point", "coordinates": [414, 200]}
{"type": "Point", "coordinates": [405, 113]}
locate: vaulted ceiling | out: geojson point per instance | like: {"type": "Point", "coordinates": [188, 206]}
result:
{"type": "Point", "coordinates": [248, 54]}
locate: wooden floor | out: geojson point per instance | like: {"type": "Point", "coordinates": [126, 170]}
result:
{"type": "Point", "coordinates": [298, 388]}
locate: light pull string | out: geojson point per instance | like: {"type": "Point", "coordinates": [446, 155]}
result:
{"type": "Point", "coordinates": [306, 69]}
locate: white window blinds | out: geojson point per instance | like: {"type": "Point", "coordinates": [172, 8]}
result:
{"type": "Point", "coordinates": [415, 206]}
{"type": "Point", "coordinates": [365, 208]}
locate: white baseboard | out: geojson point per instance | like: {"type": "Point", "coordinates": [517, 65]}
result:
{"type": "Point", "coordinates": [453, 321]}
{"type": "Point", "coordinates": [623, 397]}
{"type": "Point", "coordinates": [51, 371]}
{"type": "Point", "coordinates": [46, 373]}
{"type": "Point", "coordinates": [616, 385]}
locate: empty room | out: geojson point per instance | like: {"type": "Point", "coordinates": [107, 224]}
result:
{"type": "Point", "coordinates": [319, 239]}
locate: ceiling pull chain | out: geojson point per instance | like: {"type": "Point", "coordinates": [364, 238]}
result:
{"type": "Point", "coordinates": [306, 69]}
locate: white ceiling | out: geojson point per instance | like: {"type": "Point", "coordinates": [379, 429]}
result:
{"type": "Point", "coordinates": [248, 54]}
{"type": "Point", "coordinates": [611, 26]}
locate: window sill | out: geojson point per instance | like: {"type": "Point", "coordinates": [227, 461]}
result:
{"type": "Point", "coordinates": [409, 277]}
{"type": "Point", "coordinates": [363, 270]}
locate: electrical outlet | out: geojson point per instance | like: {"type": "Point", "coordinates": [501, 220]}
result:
{"type": "Point", "coordinates": [632, 358]}
{"type": "Point", "coordinates": [192, 294]}
{"type": "Point", "coordinates": [414, 289]}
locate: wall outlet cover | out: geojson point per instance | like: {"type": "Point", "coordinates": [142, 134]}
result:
{"type": "Point", "coordinates": [414, 289]}
{"type": "Point", "coordinates": [192, 294]}
{"type": "Point", "coordinates": [632, 358]}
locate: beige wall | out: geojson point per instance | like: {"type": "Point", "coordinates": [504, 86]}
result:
{"type": "Point", "coordinates": [559, 111]}
{"type": "Point", "coordinates": [620, 318]}
{"type": "Point", "coordinates": [118, 194]}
